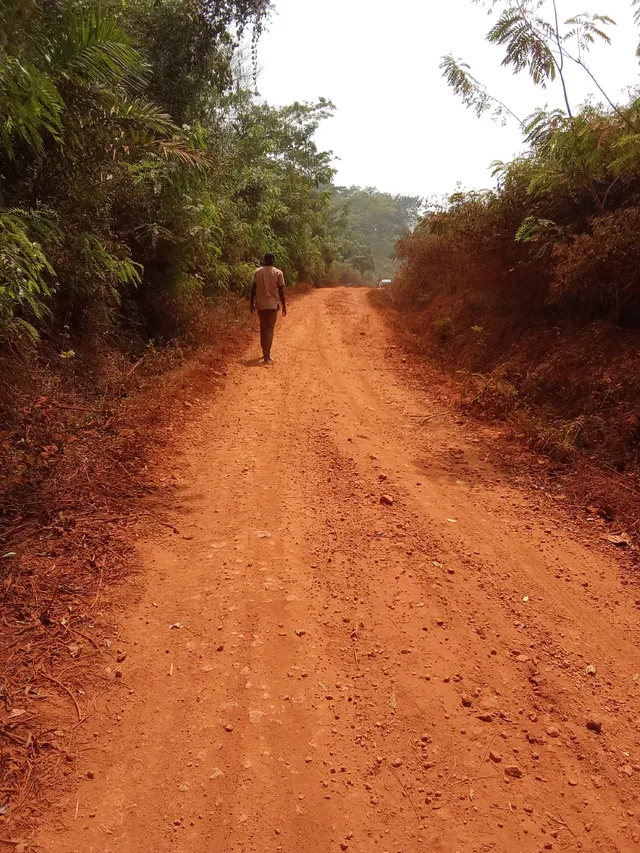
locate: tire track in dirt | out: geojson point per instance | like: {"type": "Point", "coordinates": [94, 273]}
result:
{"type": "Point", "coordinates": [352, 676]}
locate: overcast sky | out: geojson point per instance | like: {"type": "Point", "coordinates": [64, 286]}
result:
{"type": "Point", "coordinates": [397, 125]}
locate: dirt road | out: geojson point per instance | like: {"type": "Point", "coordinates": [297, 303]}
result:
{"type": "Point", "coordinates": [311, 670]}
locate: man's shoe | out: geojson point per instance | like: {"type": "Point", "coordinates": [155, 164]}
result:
{"type": "Point", "coordinates": [268, 360]}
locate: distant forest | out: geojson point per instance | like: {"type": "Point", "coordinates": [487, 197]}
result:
{"type": "Point", "coordinates": [371, 222]}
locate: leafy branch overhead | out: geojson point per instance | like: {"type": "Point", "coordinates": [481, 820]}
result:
{"type": "Point", "coordinates": [473, 93]}
{"type": "Point", "coordinates": [540, 45]}
{"type": "Point", "coordinates": [565, 142]}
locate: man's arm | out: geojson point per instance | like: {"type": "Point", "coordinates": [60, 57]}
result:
{"type": "Point", "coordinates": [281, 293]}
{"type": "Point", "coordinates": [253, 295]}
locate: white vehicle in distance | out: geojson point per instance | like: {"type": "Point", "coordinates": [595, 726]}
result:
{"type": "Point", "coordinates": [383, 282]}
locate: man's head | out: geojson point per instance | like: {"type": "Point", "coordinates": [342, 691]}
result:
{"type": "Point", "coordinates": [269, 260]}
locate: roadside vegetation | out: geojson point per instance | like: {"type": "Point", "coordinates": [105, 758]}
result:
{"type": "Point", "coordinates": [532, 289]}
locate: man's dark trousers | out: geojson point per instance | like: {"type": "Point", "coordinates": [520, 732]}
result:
{"type": "Point", "coordinates": [268, 317]}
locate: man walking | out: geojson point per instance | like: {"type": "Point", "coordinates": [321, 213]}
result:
{"type": "Point", "coordinates": [267, 294]}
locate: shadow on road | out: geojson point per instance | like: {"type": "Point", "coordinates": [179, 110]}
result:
{"type": "Point", "coordinates": [252, 362]}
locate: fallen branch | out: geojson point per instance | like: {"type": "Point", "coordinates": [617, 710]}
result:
{"type": "Point", "coordinates": [407, 794]}
{"type": "Point", "coordinates": [159, 520]}
{"type": "Point", "coordinates": [561, 822]}
{"type": "Point", "coordinates": [486, 752]}
{"type": "Point", "coordinates": [455, 764]}
{"type": "Point", "coordinates": [67, 691]}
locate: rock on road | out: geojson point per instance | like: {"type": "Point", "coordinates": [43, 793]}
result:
{"type": "Point", "coordinates": [347, 672]}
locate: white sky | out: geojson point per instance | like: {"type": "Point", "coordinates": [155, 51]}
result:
{"type": "Point", "coordinates": [397, 125]}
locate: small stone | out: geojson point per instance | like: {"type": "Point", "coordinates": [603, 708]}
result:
{"type": "Point", "coordinates": [594, 726]}
{"type": "Point", "coordinates": [627, 769]}
{"type": "Point", "coordinates": [228, 727]}
{"type": "Point", "coordinates": [397, 762]}
{"type": "Point", "coordinates": [121, 657]}
{"type": "Point", "coordinates": [573, 782]}
{"type": "Point", "coordinates": [514, 771]}
{"type": "Point", "coordinates": [591, 670]}
{"type": "Point", "coordinates": [495, 757]}
{"type": "Point", "coordinates": [20, 848]}
{"type": "Point", "coordinates": [587, 827]}
{"type": "Point", "coordinates": [91, 774]}
{"type": "Point", "coordinates": [527, 808]}
{"type": "Point", "coordinates": [118, 673]}
{"type": "Point", "coordinates": [386, 500]}
{"type": "Point", "coordinates": [552, 731]}
{"type": "Point", "coordinates": [344, 845]}
{"type": "Point", "coordinates": [466, 702]}
{"type": "Point", "coordinates": [486, 718]}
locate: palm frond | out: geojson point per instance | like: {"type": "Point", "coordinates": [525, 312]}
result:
{"type": "Point", "coordinates": [25, 271]}
{"type": "Point", "coordinates": [142, 128]}
{"type": "Point", "coordinates": [142, 115]}
{"type": "Point", "coordinates": [176, 149]}
{"type": "Point", "coordinates": [30, 105]}
{"type": "Point", "coordinates": [92, 48]}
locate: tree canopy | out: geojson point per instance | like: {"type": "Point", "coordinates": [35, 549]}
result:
{"type": "Point", "coordinates": [371, 223]}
